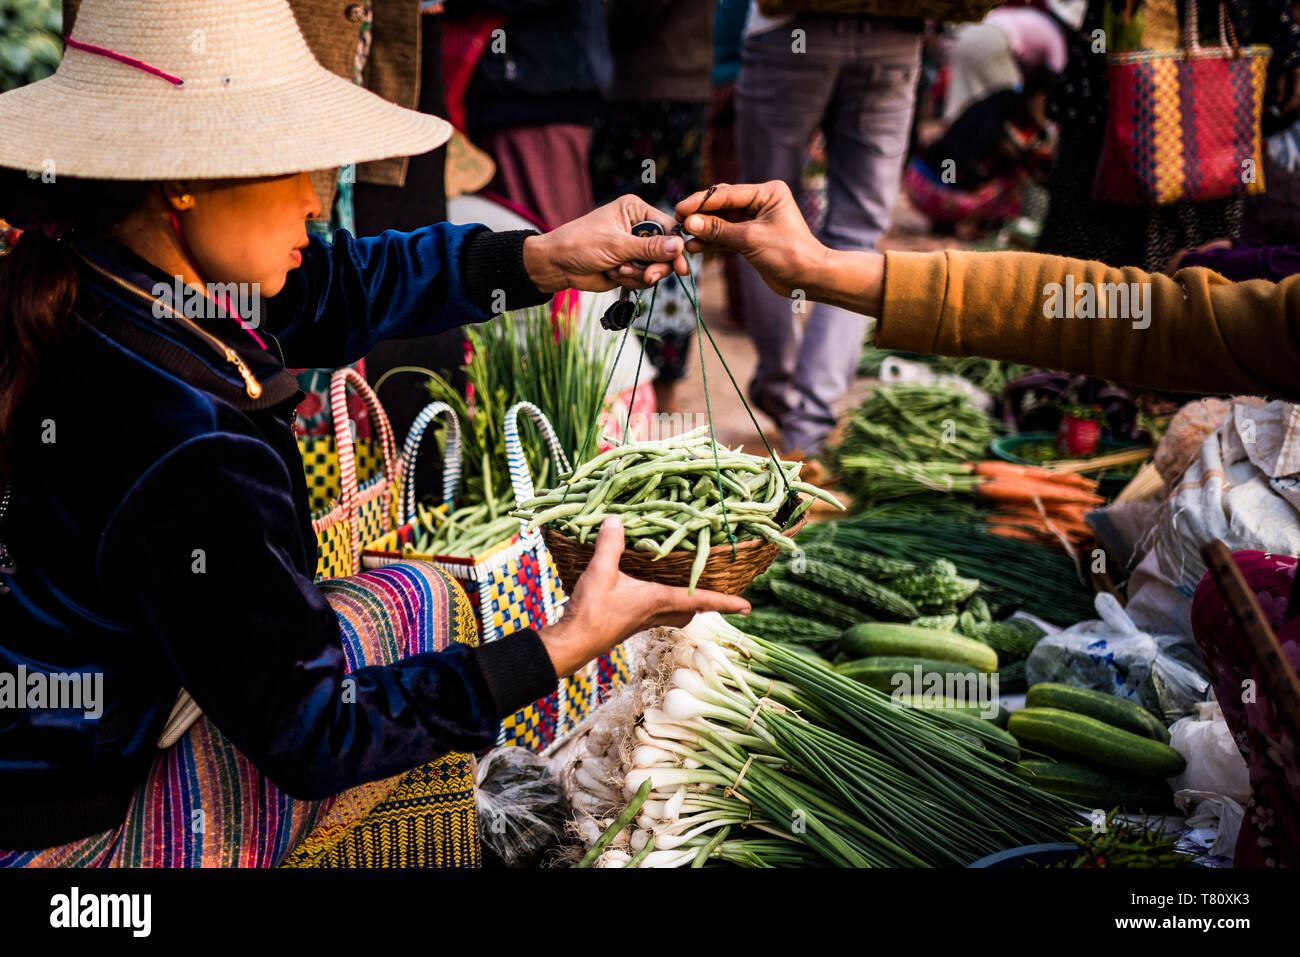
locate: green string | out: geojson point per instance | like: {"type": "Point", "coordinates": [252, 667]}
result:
{"type": "Point", "coordinates": [636, 379]}
{"type": "Point", "coordinates": [693, 295]}
{"type": "Point", "coordinates": [708, 406]}
{"type": "Point", "coordinates": [600, 401]}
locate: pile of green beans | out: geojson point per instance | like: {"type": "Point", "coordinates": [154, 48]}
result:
{"type": "Point", "coordinates": [465, 532]}
{"type": "Point", "coordinates": [668, 496]}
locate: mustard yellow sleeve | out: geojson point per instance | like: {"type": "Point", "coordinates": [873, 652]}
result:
{"type": "Point", "coordinates": [1192, 332]}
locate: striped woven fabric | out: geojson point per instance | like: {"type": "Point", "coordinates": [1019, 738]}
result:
{"type": "Point", "coordinates": [203, 803]}
{"type": "Point", "coordinates": [1183, 126]}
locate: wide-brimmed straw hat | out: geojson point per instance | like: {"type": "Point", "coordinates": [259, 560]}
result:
{"type": "Point", "coordinates": [199, 89]}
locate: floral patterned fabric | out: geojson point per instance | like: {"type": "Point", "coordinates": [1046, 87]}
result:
{"type": "Point", "coordinates": [1270, 834]}
{"type": "Point", "coordinates": [628, 134]}
{"type": "Point", "coordinates": [313, 412]}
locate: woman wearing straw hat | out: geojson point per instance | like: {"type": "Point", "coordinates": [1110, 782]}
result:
{"type": "Point", "coordinates": [177, 553]}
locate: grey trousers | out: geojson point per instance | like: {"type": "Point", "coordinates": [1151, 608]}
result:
{"type": "Point", "coordinates": [856, 79]}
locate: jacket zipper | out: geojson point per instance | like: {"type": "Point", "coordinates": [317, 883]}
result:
{"type": "Point", "coordinates": [252, 387]}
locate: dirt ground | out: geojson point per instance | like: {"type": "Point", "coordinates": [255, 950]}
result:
{"type": "Point", "coordinates": [909, 232]}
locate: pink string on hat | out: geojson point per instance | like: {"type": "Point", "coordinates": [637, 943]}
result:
{"type": "Point", "coordinates": [123, 58]}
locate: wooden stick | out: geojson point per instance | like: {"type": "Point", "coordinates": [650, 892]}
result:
{"type": "Point", "coordinates": [1276, 674]}
{"type": "Point", "coordinates": [1101, 462]}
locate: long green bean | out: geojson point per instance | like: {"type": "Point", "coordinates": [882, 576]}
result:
{"type": "Point", "coordinates": [677, 495]}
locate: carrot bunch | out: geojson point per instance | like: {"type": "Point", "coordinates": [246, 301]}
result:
{"type": "Point", "coordinates": [1036, 504]}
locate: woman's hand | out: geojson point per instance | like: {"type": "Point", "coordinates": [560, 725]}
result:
{"type": "Point", "coordinates": [763, 223]}
{"type": "Point", "coordinates": [587, 253]}
{"type": "Point", "coordinates": [607, 606]}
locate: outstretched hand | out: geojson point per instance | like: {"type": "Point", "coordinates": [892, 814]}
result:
{"type": "Point", "coordinates": [760, 221]}
{"type": "Point", "coordinates": [608, 606]}
{"type": "Point", "coordinates": [588, 252]}
{"type": "Point", "coordinates": [763, 223]}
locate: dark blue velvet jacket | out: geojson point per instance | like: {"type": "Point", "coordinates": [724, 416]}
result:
{"type": "Point", "coordinates": [123, 467]}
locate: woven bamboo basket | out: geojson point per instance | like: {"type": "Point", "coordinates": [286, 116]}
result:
{"type": "Point", "coordinates": [721, 572]}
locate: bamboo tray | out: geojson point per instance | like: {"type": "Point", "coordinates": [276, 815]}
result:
{"type": "Point", "coordinates": [721, 572]}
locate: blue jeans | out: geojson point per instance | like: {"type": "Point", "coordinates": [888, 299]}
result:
{"type": "Point", "coordinates": [855, 77]}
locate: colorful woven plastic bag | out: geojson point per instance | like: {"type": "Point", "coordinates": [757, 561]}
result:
{"type": "Point", "coordinates": [1184, 124]}
{"type": "Point", "coordinates": [946, 11]}
{"type": "Point", "coordinates": [513, 583]}
{"type": "Point", "coordinates": [352, 483]}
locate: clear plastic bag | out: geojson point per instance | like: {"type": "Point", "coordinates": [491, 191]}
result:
{"type": "Point", "coordinates": [1114, 656]}
{"type": "Point", "coordinates": [522, 810]}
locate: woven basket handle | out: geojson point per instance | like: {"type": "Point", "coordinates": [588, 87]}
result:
{"type": "Point", "coordinates": [351, 491]}
{"type": "Point", "coordinates": [515, 459]}
{"type": "Point", "coordinates": [450, 458]}
{"type": "Point", "coordinates": [1192, 29]}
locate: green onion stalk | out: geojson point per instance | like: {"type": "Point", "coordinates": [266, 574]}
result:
{"type": "Point", "coordinates": [752, 753]}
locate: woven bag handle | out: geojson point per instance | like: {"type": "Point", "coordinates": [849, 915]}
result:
{"type": "Point", "coordinates": [450, 458]}
{"type": "Point", "coordinates": [351, 491]}
{"type": "Point", "coordinates": [520, 477]}
{"type": "Point", "coordinates": [1192, 29]}
{"type": "Point", "coordinates": [1227, 32]}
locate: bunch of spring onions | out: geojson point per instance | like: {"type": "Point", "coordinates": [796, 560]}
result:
{"type": "Point", "coordinates": [879, 480]}
{"type": "Point", "coordinates": [734, 749]}
{"type": "Point", "coordinates": [683, 493]}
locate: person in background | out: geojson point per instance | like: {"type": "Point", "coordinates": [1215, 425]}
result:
{"type": "Point", "coordinates": [721, 164]}
{"type": "Point", "coordinates": [1006, 47]}
{"type": "Point", "coordinates": [418, 197]}
{"type": "Point", "coordinates": [648, 141]}
{"type": "Point", "coordinates": [394, 49]}
{"type": "Point", "coordinates": [855, 77]}
{"type": "Point", "coordinates": [532, 100]}
{"type": "Point", "coordinates": [1146, 236]}
{"type": "Point", "coordinates": [971, 178]}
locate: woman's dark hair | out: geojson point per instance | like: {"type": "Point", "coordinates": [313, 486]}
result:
{"type": "Point", "coordinates": [38, 278]}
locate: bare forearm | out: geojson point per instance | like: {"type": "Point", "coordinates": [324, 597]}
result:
{"type": "Point", "coordinates": [849, 279]}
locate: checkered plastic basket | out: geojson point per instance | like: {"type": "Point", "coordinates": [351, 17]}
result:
{"type": "Point", "coordinates": [353, 484]}
{"type": "Point", "coordinates": [512, 583]}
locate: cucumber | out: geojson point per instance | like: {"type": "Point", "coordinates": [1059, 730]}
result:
{"type": "Point", "coordinates": [885, 638]}
{"type": "Point", "coordinates": [1091, 788]}
{"type": "Point", "coordinates": [948, 704]}
{"type": "Point", "coordinates": [968, 720]}
{"type": "Point", "coordinates": [878, 672]}
{"type": "Point", "coordinates": [1079, 737]}
{"type": "Point", "coordinates": [1119, 712]}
